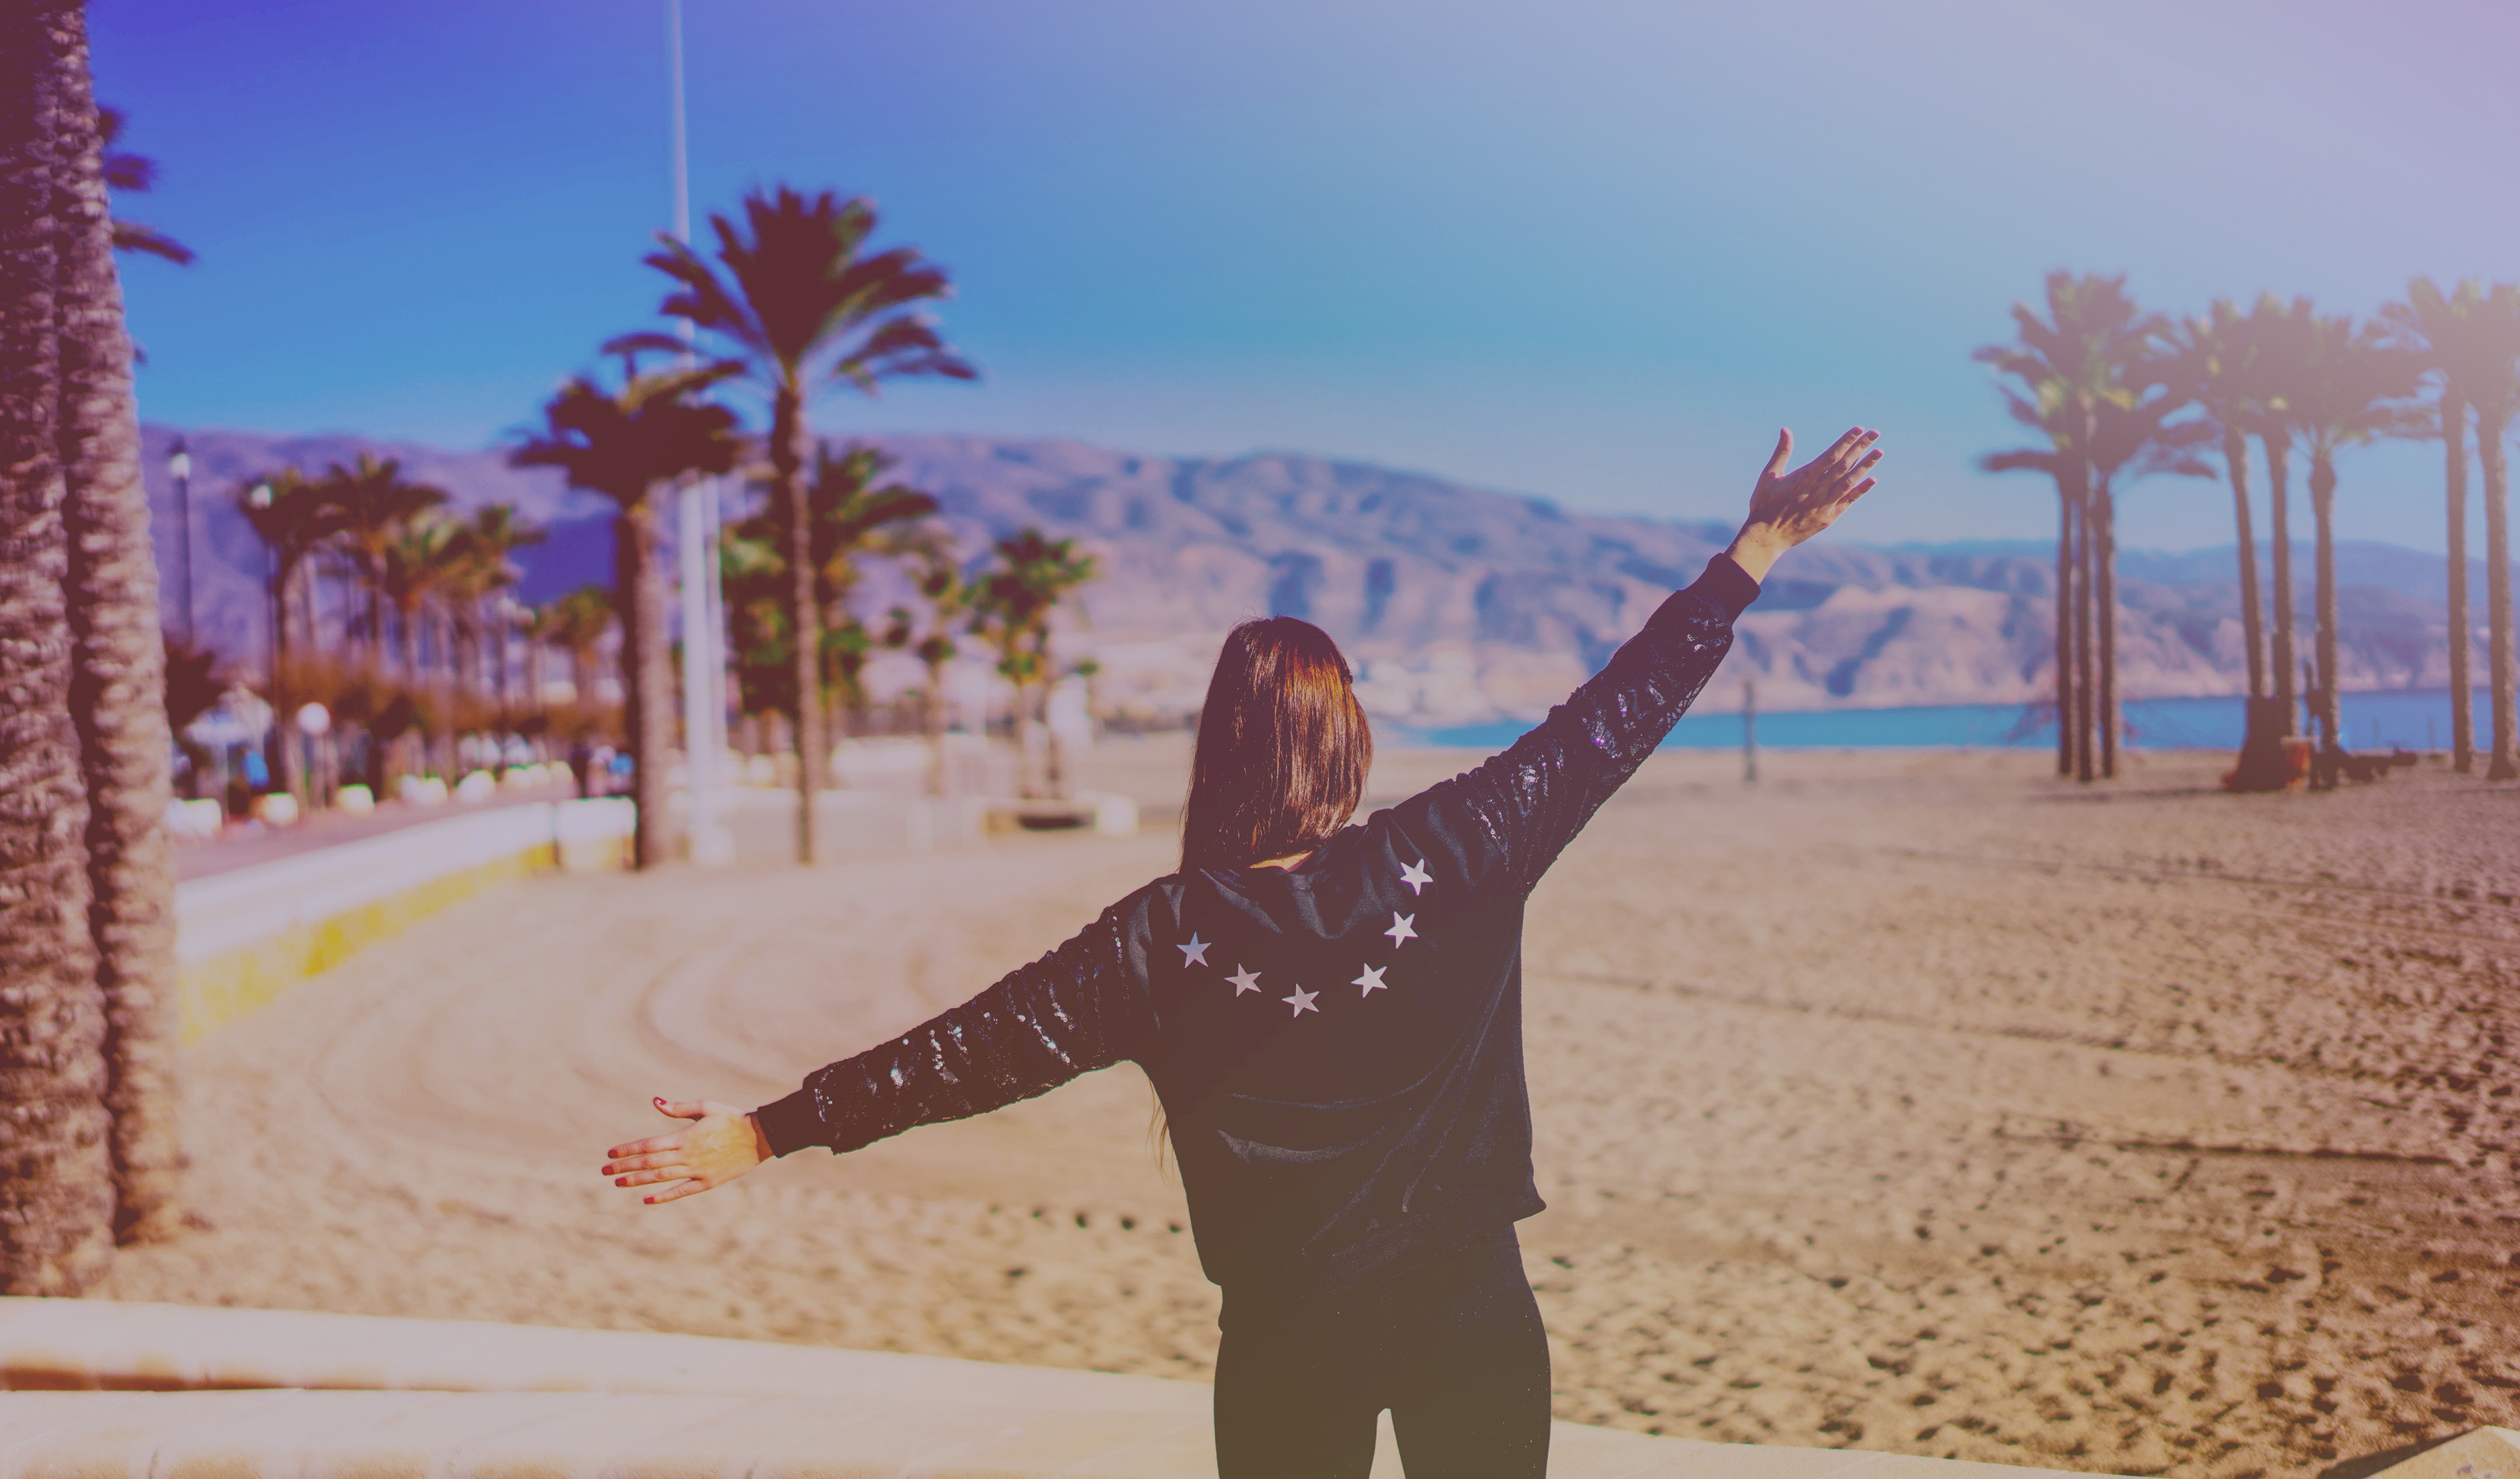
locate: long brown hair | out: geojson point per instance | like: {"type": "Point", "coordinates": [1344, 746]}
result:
{"type": "Point", "coordinates": [1283, 747]}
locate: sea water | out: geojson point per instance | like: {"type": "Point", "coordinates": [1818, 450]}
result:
{"type": "Point", "coordinates": [2416, 719]}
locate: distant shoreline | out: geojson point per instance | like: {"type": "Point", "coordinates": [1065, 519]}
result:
{"type": "Point", "coordinates": [2416, 719]}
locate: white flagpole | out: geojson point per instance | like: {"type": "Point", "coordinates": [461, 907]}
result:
{"type": "Point", "coordinates": [703, 667]}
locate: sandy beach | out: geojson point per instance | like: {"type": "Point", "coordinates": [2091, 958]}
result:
{"type": "Point", "coordinates": [1903, 1101]}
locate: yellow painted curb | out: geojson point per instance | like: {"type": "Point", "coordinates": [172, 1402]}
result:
{"type": "Point", "coordinates": [217, 991]}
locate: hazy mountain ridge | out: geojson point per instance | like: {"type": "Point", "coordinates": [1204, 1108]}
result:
{"type": "Point", "coordinates": [1458, 602]}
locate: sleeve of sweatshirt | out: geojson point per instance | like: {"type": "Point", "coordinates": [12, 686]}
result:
{"type": "Point", "coordinates": [1073, 1011]}
{"type": "Point", "coordinates": [1509, 820]}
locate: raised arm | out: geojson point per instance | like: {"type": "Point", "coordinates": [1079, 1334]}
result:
{"type": "Point", "coordinates": [1073, 1011]}
{"type": "Point", "coordinates": [1518, 811]}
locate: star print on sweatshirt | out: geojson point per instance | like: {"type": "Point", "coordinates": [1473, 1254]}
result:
{"type": "Point", "coordinates": [1326, 1139]}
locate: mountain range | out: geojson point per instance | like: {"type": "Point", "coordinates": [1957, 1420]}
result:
{"type": "Point", "coordinates": [1458, 604]}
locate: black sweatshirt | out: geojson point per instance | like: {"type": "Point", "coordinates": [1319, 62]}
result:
{"type": "Point", "coordinates": [1338, 1045]}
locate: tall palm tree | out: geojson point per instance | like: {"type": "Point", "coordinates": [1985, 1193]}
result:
{"type": "Point", "coordinates": [2131, 437]}
{"type": "Point", "coordinates": [2493, 389]}
{"type": "Point", "coordinates": [2442, 329]}
{"type": "Point", "coordinates": [118, 693]}
{"type": "Point", "coordinates": [56, 1200]}
{"type": "Point", "coordinates": [2084, 352]}
{"type": "Point", "coordinates": [799, 305]}
{"type": "Point", "coordinates": [2214, 362]}
{"type": "Point", "coordinates": [624, 444]}
{"type": "Point", "coordinates": [1012, 601]}
{"type": "Point", "coordinates": [2350, 386]}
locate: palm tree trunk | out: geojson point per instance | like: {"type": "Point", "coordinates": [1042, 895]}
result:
{"type": "Point", "coordinates": [2253, 631]}
{"type": "Point", "coordinates": [119, 694]}
{"type": "Point", "coordinates": [2104, 554]}
{"type": "Point", "coordinates": [2067, 560]}
{"type": "Point", "coordinates": [2083, 769]}
{"type": "Point", "coordinates": [646, 671]}
{"type": "Point", "coordinates": [2279, 530]}
{"type": "Point", "coordinates": [56, 1199]}
{"type": "Point", "coordinates": [646, 676]}
{"type": "Point", "coordinates": [2462, 697]}
{"type": "Point", "coordinates": [932, 720]}
{"type": "Point", "coordinates": [2322, 508]}
{"type": "Point", "coordinates": [788, 443]}
{"type": "Point", "coordinates": [2490, 426]}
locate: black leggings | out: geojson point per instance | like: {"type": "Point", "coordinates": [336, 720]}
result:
{"type": "Point", "coordinates": [1453, 1347]}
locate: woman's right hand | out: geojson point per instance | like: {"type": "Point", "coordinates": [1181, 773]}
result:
{"type": "Point", "coordinates": [721, 1143]}
{"type": "Point", "coordinates": [1789, 507]}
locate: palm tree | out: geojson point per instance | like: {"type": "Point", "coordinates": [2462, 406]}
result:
{"type": "Point", "coordinates": [117, 695]}
{"type": "Point", "coordinates": [624, 444]}
{"type": "Point", "coordinates": [2131, 437]}
{"type": "Point", "coordinates": [133, 174]}
{"type": "Point", "coordinates": [2083, 353]}
{"type": "Point", "coordinates": [2350, 386]}
{"type": "Point", "coordinates": [854, 516]}
{"type": "Point", "coordinates": [799, 305]}
{"type": "Point", "coordinates": [575, 623]}
{"type": "Point", "coordinates": [2494, 388]}
{"type": "Point", "coordinates": [937, 572]}
{"type": "Point", "coordinates": [2214, 362]}
{"type": "Point", "coordinates": [57, 1202]}
{"type": "Point", "coordinates": [375, 504]}
{"type": "Point", "coordinates": [293, 515]}
{"type": "Point", "coordinates": [1012, 601]}
{"type": "Point", "coordinates": [483, 571]}
{"type": "Point", "coordinates": [2442, 329]}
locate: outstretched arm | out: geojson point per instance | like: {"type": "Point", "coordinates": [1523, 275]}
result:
{"type": "Point", "coordinates": [1510, 818]}
{"type": "Point", "coordinates": [1073, 1011]}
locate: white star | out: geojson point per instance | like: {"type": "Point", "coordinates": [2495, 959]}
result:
{"type": "Point", "coordinates": [1302, 1001]}
{"type": "Point", "coordinates": [1403, 928]}
{"type": "Point", "coordinates": [1245, 979]}
{"type": "Point", "coordinates": [1195, 952]}
{"type": "Point", "coordinates": [1372, 980]}
{"type": "Point", "coordinates": [1415, 876]}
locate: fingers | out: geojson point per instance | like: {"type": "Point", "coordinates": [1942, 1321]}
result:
{"type": "Point", "coordinates": [621, 1163]}
{"type": "Point", "coordinates": [676, 1194]}
{"type": "Point", "coordinates": [650, 1177]}
{"type": "Point", "coordinates": [1785, 454]}
{"type": "Point", "coordinates": [683, 1108]}
{"type": "Point", "coordinates": [645, 1146]}
{"type": "Point", "coordinates": [1843, 452]}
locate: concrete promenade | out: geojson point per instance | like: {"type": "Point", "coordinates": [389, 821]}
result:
{"type": "Point", "coordinates": [107, 1391]}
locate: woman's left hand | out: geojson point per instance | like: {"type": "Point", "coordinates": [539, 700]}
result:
{"type": "Point", "coordinates": [720, 1145]}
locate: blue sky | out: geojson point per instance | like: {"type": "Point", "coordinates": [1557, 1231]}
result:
{"type": "Point", "coordinates": [1590, 249]}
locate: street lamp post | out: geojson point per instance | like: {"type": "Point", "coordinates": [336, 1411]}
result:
{"type": "Point", "coordinates": [259, 497]}
{"type": "Point", "coordinates": [179, 464]}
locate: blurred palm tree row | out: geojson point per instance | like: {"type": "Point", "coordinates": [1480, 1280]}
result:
{"type": "Point", "coordinates": [795, 300]}
{"type": "Point", "coordinates": [418, 643]}
{"type": "Point", "coordinates": [2116, 393]}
